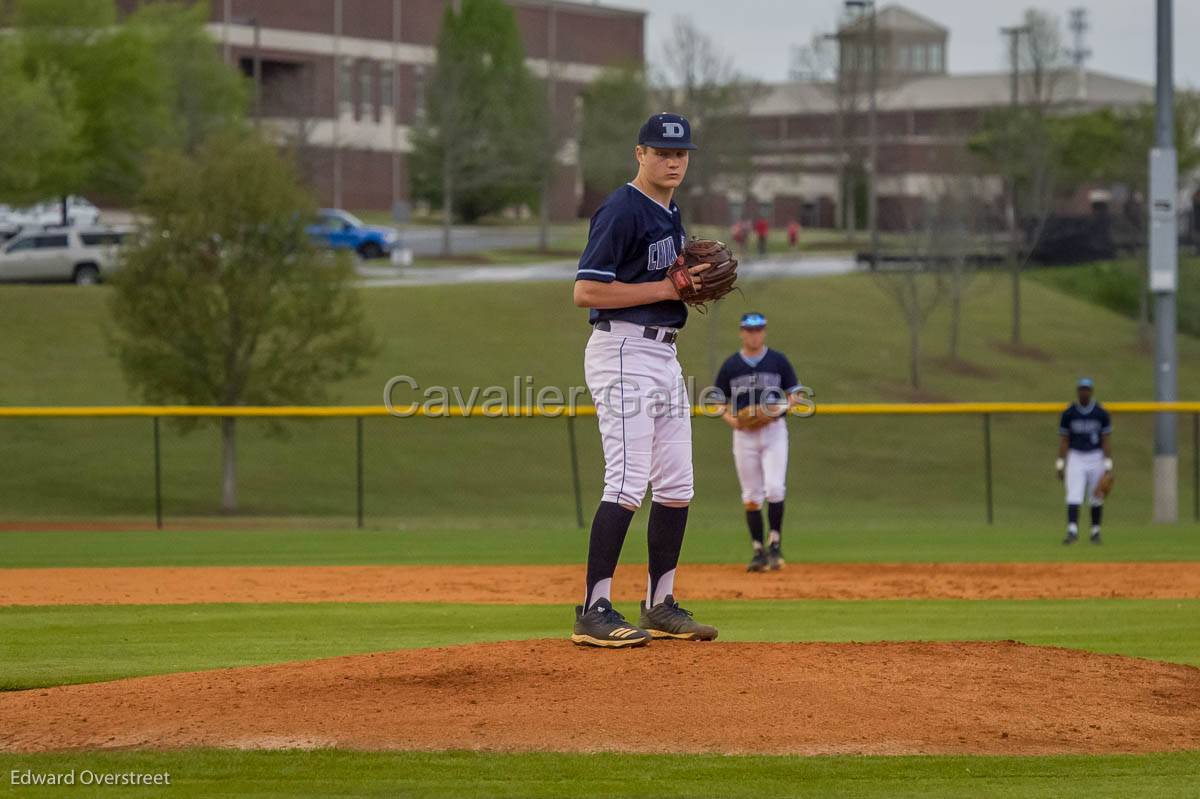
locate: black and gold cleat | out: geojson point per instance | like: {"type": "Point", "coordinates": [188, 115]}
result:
{"type": "Point", "coordinates": [775, 557]}
{"type": "Point", "coordinates": [603, 626]}
{"type": "Point", "coordinates": [668, 620]}
{"type": "Point", "coordinates": [758, 563]}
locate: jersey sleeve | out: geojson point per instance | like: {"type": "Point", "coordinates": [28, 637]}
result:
{"type": "Point", "coordinates": [788, 375]}
{"type": "Point", "coordinates": [1105, 422]}
{"type": "Point", "coordinates": [609, 236]}
{"type": "Point", "coordinates": [1064, 422]}
{"type": "Point", "coordinates": [721, 384]}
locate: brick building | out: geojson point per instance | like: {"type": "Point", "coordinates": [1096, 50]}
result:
{"type": "Point", "coordinates": [804, 168]}
{"type": "Point", "coordinates": [342, 80]}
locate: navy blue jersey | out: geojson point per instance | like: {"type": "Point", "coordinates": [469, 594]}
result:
{"type": "Point", "coordinates": [633, 239]}
{"type": "Point", "coordinates": [744, 382]}
{"type": "Point", "coordinates": [1083, 426]}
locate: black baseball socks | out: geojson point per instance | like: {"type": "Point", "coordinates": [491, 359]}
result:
{"type": "Point", "coordinates": [609, 527]}
{"type": "Point", "coordinates": [775, 521]}
{"type": "Point", "coordinates": [754, 522]}
{"type": "Point", "coordinates": [665, 540]}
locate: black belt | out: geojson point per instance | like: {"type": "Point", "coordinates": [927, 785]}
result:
{"type": "Point", "coordinates": [647, 332]}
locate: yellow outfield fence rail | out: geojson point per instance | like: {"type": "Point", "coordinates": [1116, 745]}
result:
{"type": "Point", "coordinates": [555, 411]}
{"type": "Point", "coordinates": [985, 410]}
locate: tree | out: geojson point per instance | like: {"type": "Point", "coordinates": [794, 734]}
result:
{"type": "Point", "coordinates": [916, 280]}
{"type": "Point", "coordinates": [204, 95]}
{"type": "Point", "coordinates": [1022, 142]}
{"type": "Point", "coordinates": [221, 300]}
{"type": "Point", "coordinates": [154, 82]}
{"type": "Point", "coordinates": [701, 83]}
{"type": "Point", "coordinates": [481, 144]}
{"type": "Point", "coordinates": [42, 126]}
{"type": "Point", "coordinates": [614, 104]}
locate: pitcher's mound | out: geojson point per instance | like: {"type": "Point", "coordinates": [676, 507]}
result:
{"type": "Point", "coordinates": [882, 698]}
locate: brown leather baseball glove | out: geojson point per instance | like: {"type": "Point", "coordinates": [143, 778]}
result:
{"type": "Point", "coordinates": [753, 417]}
{"type": "Point", "coordinates": [1104, 487]}
{"type": "Point", "coordinates": [712, 282]}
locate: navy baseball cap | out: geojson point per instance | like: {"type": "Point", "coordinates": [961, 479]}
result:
{"type": "Point", "coordinates": [753, 320]}
{"type": "Point", "coordinates": [668, 132]}
{"type": "Point", "coordinates": [1085, 382]}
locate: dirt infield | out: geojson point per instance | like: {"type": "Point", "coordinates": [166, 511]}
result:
{"type": "Point", "coordinates": [561, 584]}
{"type": "Point", "coordinates": [812, 698]}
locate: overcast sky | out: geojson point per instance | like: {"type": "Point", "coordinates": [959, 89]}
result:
{"type": "Point", "coordinates": [760, 33]}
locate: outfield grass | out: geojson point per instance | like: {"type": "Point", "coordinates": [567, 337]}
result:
{"type": "Point", "coordinates": [843, 334]}
{"type": "Point", "coordinates": [1116, 285]}
{"type": "Point", "coordinates": [41, 646]}
{"type": "Point", "coordinates": [464, 775]}
{"type": "Point", "coordinates": [713, 540]}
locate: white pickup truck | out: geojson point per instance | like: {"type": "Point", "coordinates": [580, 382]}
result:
{"type": "Point", "coordinates": [83, 256]}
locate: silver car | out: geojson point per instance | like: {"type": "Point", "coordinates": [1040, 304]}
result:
{"type": "Point", "coordinates": [83, 256]}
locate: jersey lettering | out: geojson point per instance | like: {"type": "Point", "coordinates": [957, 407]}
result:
{"type": "Point", "coordinates": [661, 254]}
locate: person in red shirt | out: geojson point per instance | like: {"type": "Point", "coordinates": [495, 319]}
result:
{"type": "Point", "coordinates": [739, 233]}
{"type": "Point", "coordinates": [761, 229]}
{"type": "Point", "coordinates": [793, 233]}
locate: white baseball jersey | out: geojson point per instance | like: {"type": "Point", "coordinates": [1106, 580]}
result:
{"type": "Point", "coordinates": [761, 458]}
{"type": "Point", "coordinates": [645, 418]}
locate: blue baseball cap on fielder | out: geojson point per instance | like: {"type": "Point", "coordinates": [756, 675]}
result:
{"type": "Point", "coordinates": [753, 320]}
{"type": "Point", "coordinates": [1085, 382]}
{"type": "Point", "coordinates": [667, 132]}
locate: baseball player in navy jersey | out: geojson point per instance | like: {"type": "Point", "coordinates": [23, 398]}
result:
{"type": "Point", "coordinates": [637, 386]}
{"type": "Point", "coordinates": [1084, 457]}
{"type": "Point", "coordinates": [760, 378]}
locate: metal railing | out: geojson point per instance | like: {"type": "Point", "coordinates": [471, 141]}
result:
{"type": "Point", "coordinates": [985, 410]}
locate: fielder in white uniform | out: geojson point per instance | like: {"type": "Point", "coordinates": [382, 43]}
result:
{"type": "Point", "coordinates": [638, 389]}
{"type": "Point", "coordinates": [1084, 457]}
{"type": "Point", "coordinates": [761, 379]}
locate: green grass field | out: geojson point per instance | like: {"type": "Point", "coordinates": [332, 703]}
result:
{"type": "Point", "coordinates": [842, 333]}
{"type": "Point", "coordinates": [499, 491]}
{"type": "Point", "coordinates": [280, 775]}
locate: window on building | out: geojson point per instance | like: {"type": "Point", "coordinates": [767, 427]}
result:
{"type": "Point", "coordinates": [346, 85]}
{"type": "Point", "coordinates": [366, 99]}
{"type": "Point", "coordinates": [918, 58]}
{"type": "Point", "coordinates": [904, 59]}
{"type": "Point", "coordinates": [387, 86]}
{"type": "Point", "coordinates": [419, 90]}
{"type": "Point", "coordinates": [935, 58]}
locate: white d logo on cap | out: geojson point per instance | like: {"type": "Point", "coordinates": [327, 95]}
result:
{"type": "Point", "coordinates": [672, 130]}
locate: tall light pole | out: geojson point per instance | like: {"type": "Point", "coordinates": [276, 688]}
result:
{"type": "Point", "coordinates": [1164, 270]}
{"type": "Point", "coordinates": [552, 137]}
{"type": "Point", "coordinates": [868, 7]}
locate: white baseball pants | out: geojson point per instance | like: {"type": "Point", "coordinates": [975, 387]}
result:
{"type": "Point", "coordinates": [761, 459]}
{"type": "Point", "coordinates": [645, 417]}
{"type": "Point", "coordinates": [1084, 470]}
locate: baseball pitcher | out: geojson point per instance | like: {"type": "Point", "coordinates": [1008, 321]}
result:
{"type": "Point", "coordinates": [760, 386]}
{"type": "Point", "coordinates": [1085, 458]}
{"type": "Point", "coordinates": [637, 275]}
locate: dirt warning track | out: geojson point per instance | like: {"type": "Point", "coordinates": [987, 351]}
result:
{"type": "Point", "coordinates": [546, 695]}
{"type": "Point", "coordinates": [562, 584]}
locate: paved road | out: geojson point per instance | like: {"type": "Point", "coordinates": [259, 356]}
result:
{"type": "Point", "coordinates": [427, 241]}
{"type": "Point", "coordinates": [378, 276]}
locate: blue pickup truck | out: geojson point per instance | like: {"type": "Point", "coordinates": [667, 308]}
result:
{"type": "Point", "coordinates": [342, 230]}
